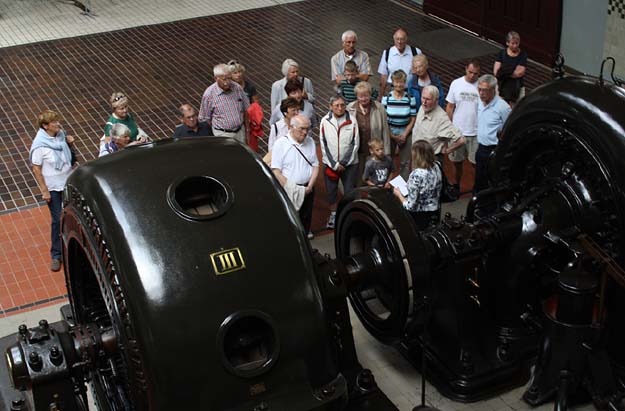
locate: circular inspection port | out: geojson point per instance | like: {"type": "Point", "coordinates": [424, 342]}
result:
{"type": "Point", "coordinates": [248, 343]}
{"type": "Point", "coordinates": [200, 197]}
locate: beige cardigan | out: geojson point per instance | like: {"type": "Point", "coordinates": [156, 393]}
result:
{"type": "Point", "coordinates": [379, 122]}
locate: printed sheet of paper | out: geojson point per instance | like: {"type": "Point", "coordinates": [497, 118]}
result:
{"type": "Point", "coordinates": [400, 183]}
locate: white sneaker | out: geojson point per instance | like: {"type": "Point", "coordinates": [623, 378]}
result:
{"type": "Point", "coordinates": [331, 221]}
{"type": "Point", "coordinates": [310, 235]}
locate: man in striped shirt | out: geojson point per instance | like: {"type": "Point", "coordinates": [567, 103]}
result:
{"type": "Point", "coordinates": [224, 106]}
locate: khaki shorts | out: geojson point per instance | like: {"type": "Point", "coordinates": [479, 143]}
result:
{"type": "Point", "coordinates": [468, 149]}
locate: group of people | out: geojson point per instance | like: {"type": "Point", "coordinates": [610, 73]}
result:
{"type": "Point", "coordinates": [409, 118]}
{"type": "Point", "coordinates": [53, 158]}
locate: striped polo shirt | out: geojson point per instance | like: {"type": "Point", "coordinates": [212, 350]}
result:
{"type": "Point", "coordinates": [347, 91]}
{"type": "Point", "coordinates": [399, 110]}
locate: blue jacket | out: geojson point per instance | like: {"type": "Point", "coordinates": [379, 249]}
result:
{"type": "Point", "coordinates": [415, 90]}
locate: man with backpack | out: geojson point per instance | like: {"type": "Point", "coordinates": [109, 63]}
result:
{"type": "Point", "coordinates": [397, 57]}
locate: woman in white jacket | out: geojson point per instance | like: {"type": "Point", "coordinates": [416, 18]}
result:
{"type": "Point", "coordinates": [339, 138]}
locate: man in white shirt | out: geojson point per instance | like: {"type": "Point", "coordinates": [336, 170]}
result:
{"type": "Point", "coordinates": [350, 53]}
{"type": "Point", "coordinates": [462, 100]}
{"type": "Point", "coordinates": [398, 57]}
{"type": "Point", "coordinates": [294, 162]}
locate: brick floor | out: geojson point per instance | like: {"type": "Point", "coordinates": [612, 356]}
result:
{"type": "Point", "coordinates": [25, 279]}
{"type": "Point", "coordinates": [160, 67]}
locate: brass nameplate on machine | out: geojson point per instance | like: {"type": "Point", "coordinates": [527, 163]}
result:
{"type": "Point", "coordinates": [227, 261]}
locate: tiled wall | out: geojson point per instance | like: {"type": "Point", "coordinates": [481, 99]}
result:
{"type": "Point", "coordinates": [615, 35]}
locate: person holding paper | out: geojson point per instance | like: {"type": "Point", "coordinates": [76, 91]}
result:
{"type": "Point", "coordinates": [424, 186]}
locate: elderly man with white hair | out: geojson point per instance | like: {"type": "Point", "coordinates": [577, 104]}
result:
{"type": "Point", "coordinates": [350, 53]}
{"type": "Point", "coordinates": [434, 126]}
{"type": "Point", "coordinates": [295, 164]}
{"type": "Point", "coordinates": [224, 106]}
{"type": "Point", "coordinates": [290, 69]}
{"type": "Point", "coordinates": [492, 113]}
{"type": "Point", "coordinates": [397, 57]}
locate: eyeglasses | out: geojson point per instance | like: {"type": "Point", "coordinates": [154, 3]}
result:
{"type": "Point", "coordinates": [302, 128]}
{"type": "Point", "coordinates": [121, 96]}
{"type": "Point", "coordinates": [483, 90]}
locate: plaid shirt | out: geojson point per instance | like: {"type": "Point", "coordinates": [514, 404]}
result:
{"type": "Point", "coordinates": [224, 110]}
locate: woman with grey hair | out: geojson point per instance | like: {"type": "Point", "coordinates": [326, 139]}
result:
{"type": "Point", "coordinates": [339, 141]}
{"type": "Point", "coordinates": [290, 69]}
{"type": "Point", "coordinates": [119, 139]}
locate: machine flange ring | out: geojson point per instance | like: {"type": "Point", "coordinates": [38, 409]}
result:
{"type": "Point", "coordinates": [384, 300]}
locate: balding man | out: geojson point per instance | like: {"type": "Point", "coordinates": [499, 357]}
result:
{"type": "Point", "coordinates": [189, 125]}
{"type": "Point", "coordinates": [224, 106]}
{"type": "Point", "coordinates": [295, 164]}
{"type": "Point", "coordinates": [398, 57]}
{"type": "Point", "coordinates": [434, 126]}
{"type": "Point", "coordinates": [350, 53]}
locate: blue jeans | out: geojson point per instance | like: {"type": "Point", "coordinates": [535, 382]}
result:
{"type": "Point", "coordinates": [56, 206]}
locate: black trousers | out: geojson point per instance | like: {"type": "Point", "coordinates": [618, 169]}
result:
{"type": "Point", "coordinates": [424, 219]}
{"type": "Point", "coordinates": [481, 166]}
{"type": "Point", "coordinates": [306, 210]}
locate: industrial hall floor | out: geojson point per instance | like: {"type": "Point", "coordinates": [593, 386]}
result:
{"type": "Point", "coordinates": [54, 55]}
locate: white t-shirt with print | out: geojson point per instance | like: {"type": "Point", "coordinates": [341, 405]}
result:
{"type": "Point", "coordinates": [464, 96]}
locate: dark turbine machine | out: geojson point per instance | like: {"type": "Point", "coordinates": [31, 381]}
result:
{"type": "Point", "coordinates": [192, 285]}
{"type": "Point", "coordinates": [529, 283]}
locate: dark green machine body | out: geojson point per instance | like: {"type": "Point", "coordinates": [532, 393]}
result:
{"type": "Point", "coordinates": [528, 284]}
{"type": "Point", "coordinates": [192, 286]}
{"type": "Point", "coordinates": [185, 279]}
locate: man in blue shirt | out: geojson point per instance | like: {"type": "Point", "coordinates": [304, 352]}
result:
{"type": "Point", "coordinates": [189, 125]}
{"type": "Point", "coordinates": [492, 113]}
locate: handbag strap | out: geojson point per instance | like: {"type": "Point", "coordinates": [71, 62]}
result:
{"type": "Point", "coordinates": [300, 151]}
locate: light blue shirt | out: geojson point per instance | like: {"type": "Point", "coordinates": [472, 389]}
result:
{"type": "Point", "coordinates": [490, 120]}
